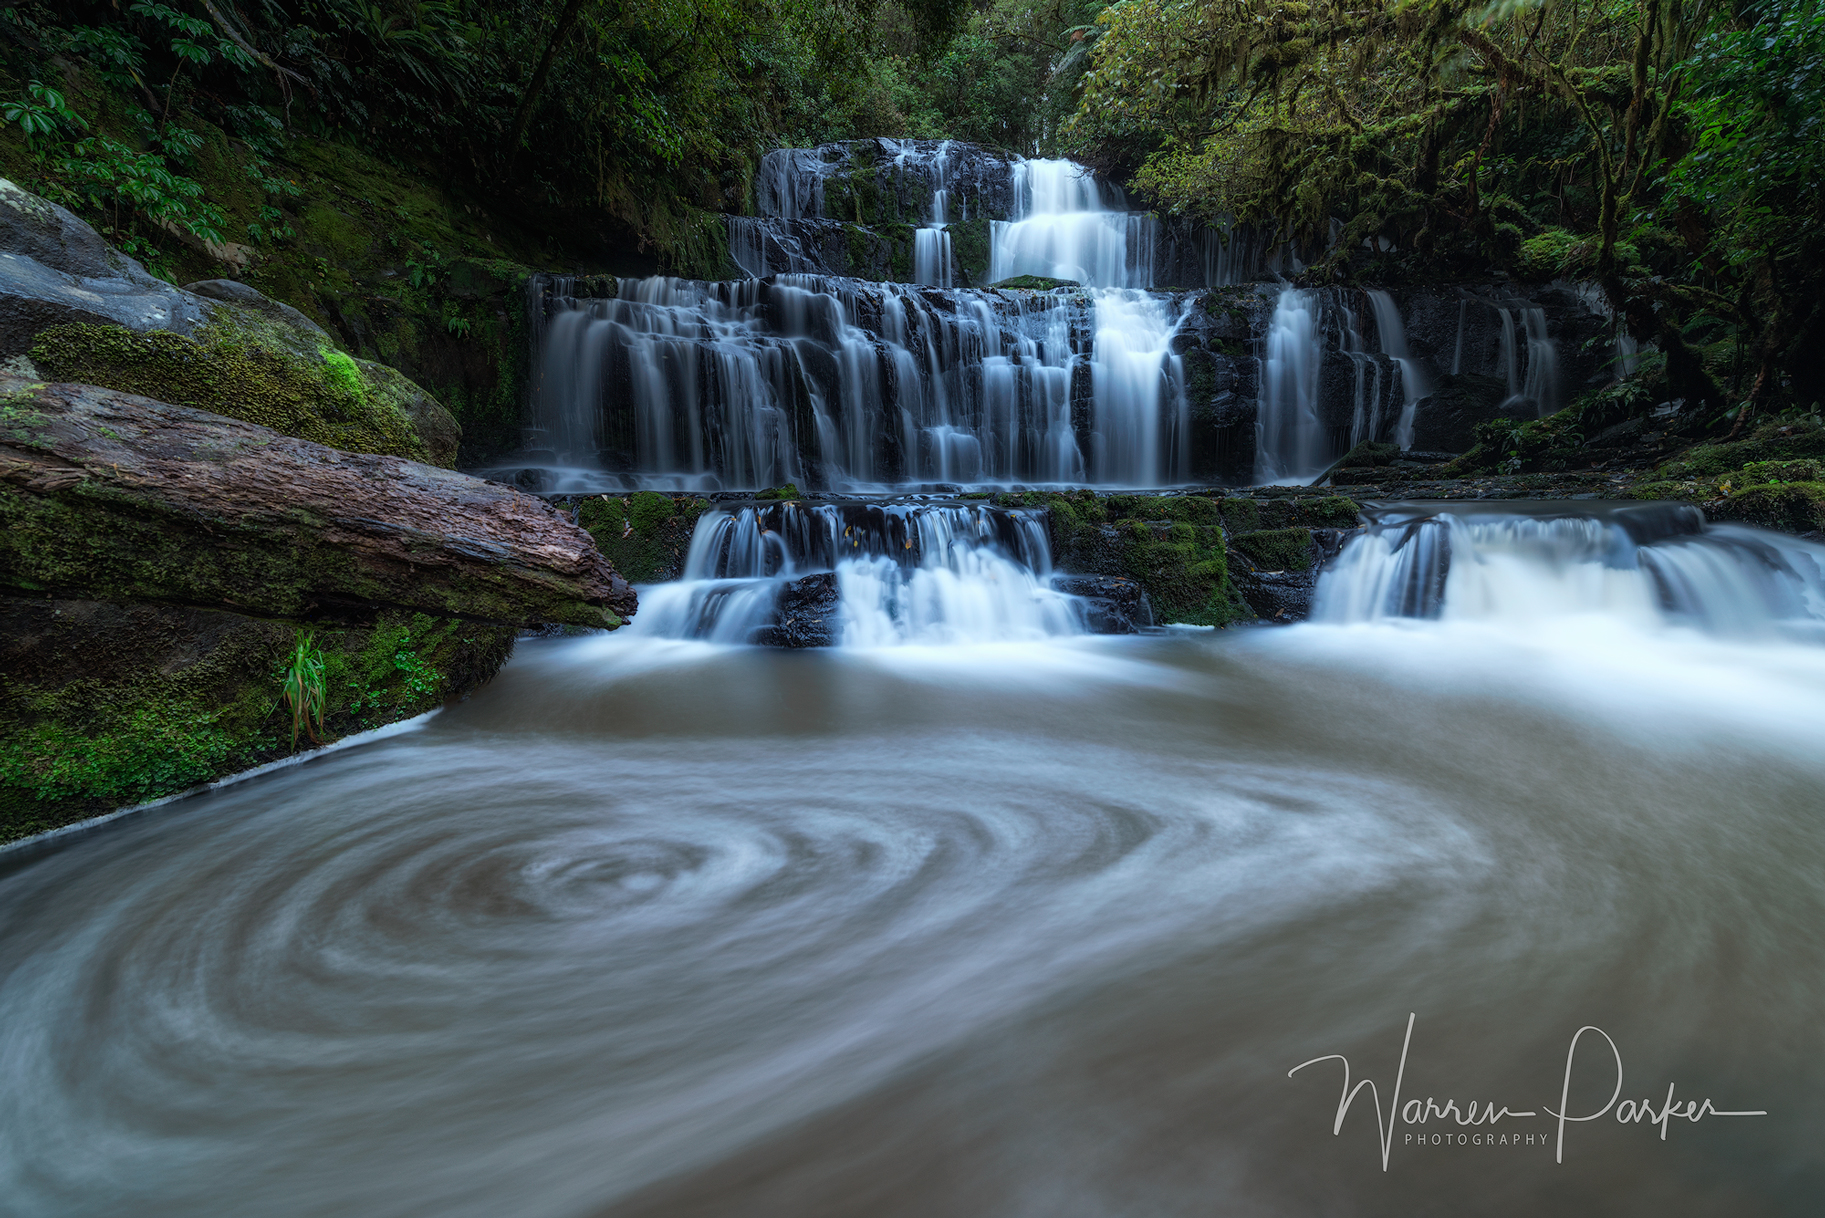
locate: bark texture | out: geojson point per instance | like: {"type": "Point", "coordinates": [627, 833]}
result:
{"type": "Point", "coordinates": [109, 496]}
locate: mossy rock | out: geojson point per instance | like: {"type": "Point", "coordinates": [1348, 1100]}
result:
{"type": "Point", "coordinates": [1035, 283]}
{"type": "Point", "coordinates": [1773, 441]}
{"type": "Point", "coordinates": [1792, 507]}
{"type": "Point", "coordinates": [970, 251]}
{"type": "Point", "coordinates": [647, 535]}
{"type": "Point", "coordinates": [1245, 515]}
{"type": "Point", "coordinates": [255, 371]}
{"type": "Point", "coordinates": [788, 491]}
{"type": "Point", "coordinates": [1277, 549]}
{"type": "Point", "coordinates": [108, 705]}
{"type": "Point", "coordinates": [1172, 545]}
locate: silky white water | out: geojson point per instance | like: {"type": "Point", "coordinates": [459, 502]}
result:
{"type": "Point", "coordinates": [906, 573]}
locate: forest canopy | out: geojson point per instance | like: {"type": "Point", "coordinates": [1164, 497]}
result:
{"type": "Point", "coordinates": [1667, 150]}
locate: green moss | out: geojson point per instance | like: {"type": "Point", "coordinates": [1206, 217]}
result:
{"type": "Point", "coordinates": [970, 251]}
{"type": "Point", "coordinates": [1794, 507]}
{"type": "Point", "coordinates": [107, 705]}
{"type": "Point", "coordinates": [646, 535]}
{"type": "Point", "coordinates": [1773, 441]}
{"type": "Point", "coordinates": [237, 370]}
{"type": "Point", "coordinates": [1172, 545]}
{"type": "Point", "coordinates": [1295, 511]}
{"type": "Point", "coordinates": [900, 241]}
{"type": "Point", "coordinates": [788, 491]}
{"type": "Point", "coordinates": [1555, 443]}
{"type": "Point", "coordinates": [1034, 283]}
{"type": "Point", "coordinates": [1276, 549]}
{"type": "Point", "coordinates": [1370, 454]}
{"type": "Point", "coordinates": [343, 374]}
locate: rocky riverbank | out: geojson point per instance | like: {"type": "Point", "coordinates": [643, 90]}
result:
{"type": "Point", "coordinates": [204, 499]}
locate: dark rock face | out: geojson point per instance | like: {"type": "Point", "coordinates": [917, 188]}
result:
{"type": "Point", "coordinates": [56, 269]}
{"type": "Point", "coordinates": [1112, 604]}
{"type": "Point", "coordinates": [807, 614]}
{"type": "Point", "coordinates": [108, 496]}
{"type": "Point", "coordinates": [1277, 572]}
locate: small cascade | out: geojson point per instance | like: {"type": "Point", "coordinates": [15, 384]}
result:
{"type": "Point", "coordinates": [1365, 402]}
{"type": "Point", "coordinates": [1648, 565]}
{"type": "Point", "coordinates": [1413, 383]}
{"type": "Point", "coordinates": [1532, 371]}
{"type": "Point", "coordinates": [1234, 254]}
{"type": "Point", "coordinates": [863, 574]}
{"type": "Point", "coordinates": [1290, 443]}
{"type": "Point", "coordinates": [931, 243]}
{"type": "Point", "coordinates": [1066, 232]}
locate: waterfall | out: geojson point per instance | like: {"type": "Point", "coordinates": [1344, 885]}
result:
{"type": "Point", "coordinates": [1232, 254]}
{"type": "Point", "coordinates": [1066, 232]}
{"type": "Point", "coordinates": [873, 574]}
{"type": "Point", "coordinates": [1457, 349]}
{"type": "Point", "coordinates": [1365, 403]}
{"type": "Point", "coordinates": [1533, 377]}
{"type": "Point", "coordinates": [931, 243]}
{"type": "Point", "coordinates": [838, 383]}
{"type": "Point", "coordinates": [1143, 422]}
{"type": "Point", "coordinates": [1650, 565]}
{"type": "Point", "coordinates": [1413, 382]}
{"type": "Point", "coordinates": [1542, 384]}
{"type": "Point", "coordinates": [1289, 436]}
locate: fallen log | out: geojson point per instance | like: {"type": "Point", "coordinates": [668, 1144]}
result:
{"type": "Point", "coordinates": [110, 496]}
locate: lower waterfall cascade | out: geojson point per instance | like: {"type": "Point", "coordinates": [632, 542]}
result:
{"type": "Point", "coordinates": [898, 573]}
{"type": "Point", "coordinates": [1648, 566]}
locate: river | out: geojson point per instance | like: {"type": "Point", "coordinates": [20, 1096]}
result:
{"type": "Point", "coordinates": [663, 927]}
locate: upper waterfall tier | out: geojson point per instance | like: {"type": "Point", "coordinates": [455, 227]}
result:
{"type": "Point", "coordinates": [945, 213]}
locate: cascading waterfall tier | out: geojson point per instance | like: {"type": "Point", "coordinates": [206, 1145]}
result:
{"type": "Point", "coordinates": [837, 383]}
{"type": "Point", "coordinates": [864, 574]}
{"type": "Point", "coordinates": [1297, 437]}
{"type": "Point", "coordinates": [870, 350]}
{"type": "Point", "coordinates": [1647, 565]}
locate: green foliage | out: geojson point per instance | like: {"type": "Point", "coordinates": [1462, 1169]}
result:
{"type": "Point", "coordinates": [302, 687]}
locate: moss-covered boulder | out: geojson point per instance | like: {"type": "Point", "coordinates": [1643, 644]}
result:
{"type": "Point", "coordinates": [262, 372]}
{"type": "Point", "coordinates": [1173, 546]}
{"type": "Point", "coordinates": [108, 704]}
{"type": "Point", "coordinates": [1792, 507]}
{"type": "Point", "coordinates": [647, 535]}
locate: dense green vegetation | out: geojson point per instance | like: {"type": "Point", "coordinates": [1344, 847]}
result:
{"type": "Point", "coordinates": [1670, 150]}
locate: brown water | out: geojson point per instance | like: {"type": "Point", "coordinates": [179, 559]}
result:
{"type": "Point", "coordinates": [657, 928]}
